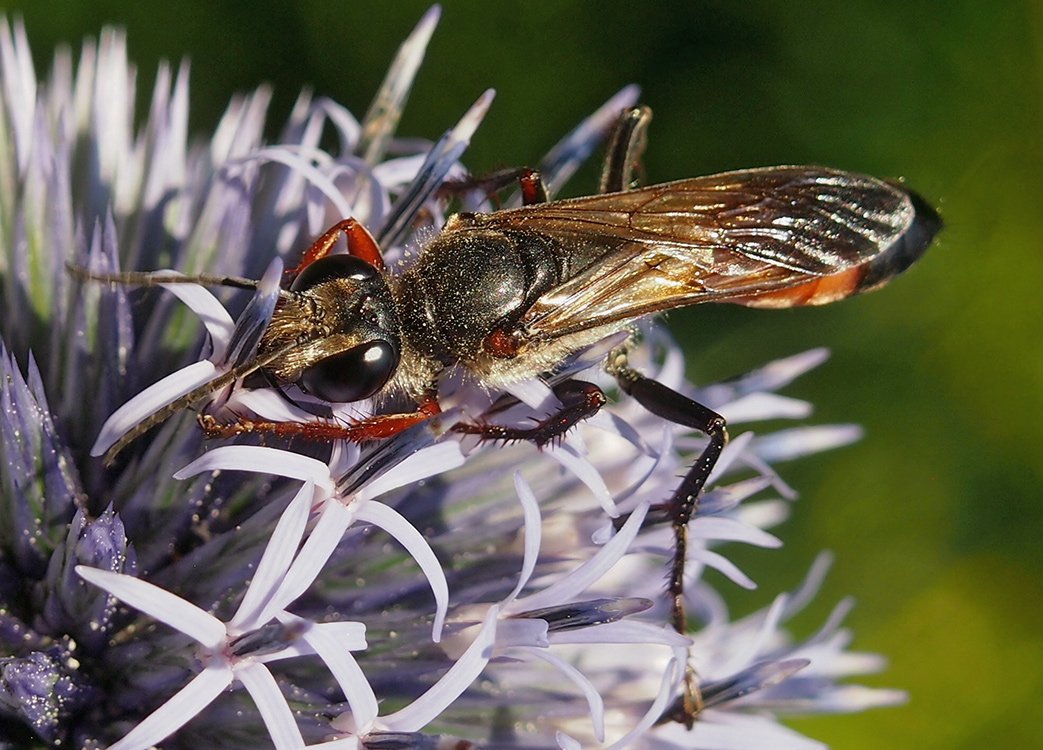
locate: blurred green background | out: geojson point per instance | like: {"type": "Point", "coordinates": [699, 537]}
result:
{"type": "Point", "coordinates": [936, 516]}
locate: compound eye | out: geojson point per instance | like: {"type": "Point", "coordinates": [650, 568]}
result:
{"type": "Point", "coordinates": [331, 268]}
{"type": "Point", "coordinates": [352, 375]}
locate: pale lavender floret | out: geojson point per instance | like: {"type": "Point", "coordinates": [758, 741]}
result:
{"type": "Point", "coordinates": [413, 463]}
{"type": "Point", "coordinates": [67, 606]}
{"type": "Point", "coordinates": [252, 322]}
{"type": "Point", "coordinates": [226, 658]}
{"type": "Point", "coordinates": [556, 604]}
{"type": "Point", "coordinates": [432, 172]}
{"type": "Point", "coordinates": [381, 120]}
{"type": "Point", "coordinates": [42, 690]}
{"type": "Point", "coordinates": [39, 480]}
{"type": "Point", "coordinates": [568, 154]}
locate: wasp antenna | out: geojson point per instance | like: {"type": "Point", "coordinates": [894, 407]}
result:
{"type": "Point", "coordinates": [156, 278]}
{"type": "Point", "coordinates": [183, 402]}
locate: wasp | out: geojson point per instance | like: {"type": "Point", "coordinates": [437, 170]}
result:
{"type": "Point", "coordinates": [509, 295]}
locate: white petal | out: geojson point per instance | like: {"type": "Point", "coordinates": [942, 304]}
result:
{"type": "Point", "coordinates": [851, 698]}
{"type": "Point", "coordinates": [150, 400]}
{"type": "Point", "coordinates": [729, 455]}
{"type": "Point", "coordinates": [275, 561]}
{"type": "Point", "coordinates": [587, 473]}
{"type": "Point", "coordinates": [782, 372]}
{"type": "Point", "coordinates": [533, 532]}
{"type": "Point", "coordinates": [303, 167]}
{"type": "Point", "coordinates": [733, 494]}
{"type": "Point", "coordinates": [728, 730]}
{"type": "Point", "coordinates": [179, 710]}
{"type": "Point", "coordinates": [811, 584]}
{"type": "Point", "coordinates": [346, 672]}
{"type": "Point", "coordinates": [394, 523]}
{"type": "Point", "coordinates": [209, 310]}
{"type": "Point", "coordinates": [721, 528]}
{"type": "Point", "coordinates": [765, 514]}
{"type": "Point", "coordinates": [269, 404]}
{"type": "Point", "coordinates": [451, 686]}
{"type": "Point", "coordinates": [671, 374]}
{"type": "Point", "coordinates": [399, 171]}
{"type": "Point", "coordinates": [754, 645]}
{"type": "Point", "coordinates": [522, 632]}
{"type": "Point", "coordinates": [802, 441]}
{"type": "Point", "coordinates": [578, 580]}
{"type": "Point", "coordinates": [534, 393]}
{"type": "Point", "coordinates": [565, 742]}
{"type": "Point", "coordinates": [624, 631]}
{"type": "Point", "coordinates": [160, 604]}
{"type": "Point", "coordinates": [261, 460]}
{"type": "Point", "coordinates": [830, 630]}
{"type": "Point", "coordinates": [723, 565]}
{"type": "Point", "coordinates": [345, 743]}
{"type": "Point", "coordinates": [345, 123]}
{"type": "Point", "coordinates": [320, 544]}
{"type": "Point", "coordinates": [425, 463]}
{"type": "Point", "coordinates": [350, 636]}
{"type": "Point", "coordinates": [666, 689]}
{"type": "Point", "coordinates": [762, 467]}
{"type": "Point", "coordinates": [756, 407]}
{"type": "Point", "coordinates": [594, 701]}
{"type": "Point", "coordinates": [272, 705]}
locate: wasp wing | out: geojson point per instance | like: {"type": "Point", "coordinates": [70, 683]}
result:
{"type": "Point", "coordinates": [773, 237]}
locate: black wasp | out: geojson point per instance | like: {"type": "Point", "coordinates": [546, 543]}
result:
{"type": "Point", "coordinates": [508, 295]}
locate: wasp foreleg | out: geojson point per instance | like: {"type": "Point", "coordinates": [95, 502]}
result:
{"type": "Point", "coordinates": [579, 400]}
{"type": "Point", "coordinates": [376, 427]}
{"type": "Point", "coordinates": [360, 244]}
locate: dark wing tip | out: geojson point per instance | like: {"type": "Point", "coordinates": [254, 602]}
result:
{"type": "Point", "coordinates": [925, 225]}
{"type": "Point", "coordinates": [907, 247]}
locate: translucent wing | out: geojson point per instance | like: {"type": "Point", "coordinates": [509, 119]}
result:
{"type": "Point", "coordinates": [772, 237]}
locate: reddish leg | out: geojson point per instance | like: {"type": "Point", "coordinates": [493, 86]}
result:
{"type": "Point", "coordinates": [579, 400]}
{"type": "Point", "coordinates": [532, 188]}
{"type": "Point", "coordinates": [378, 427]}
{"type": "Point", "coordinates": [360, 244]}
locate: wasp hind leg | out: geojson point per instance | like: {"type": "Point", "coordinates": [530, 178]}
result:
{"type": "Point", "coordinates": [623, 154]}
{"type": "Point", "coordinates": [681, 507]}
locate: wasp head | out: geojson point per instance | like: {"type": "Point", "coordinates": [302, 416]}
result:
{"type": "Point", "coordinates": [341, 329]}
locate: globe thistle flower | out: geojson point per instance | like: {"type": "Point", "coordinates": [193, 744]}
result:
{"type": "Point", "coordinates": [427, 591]}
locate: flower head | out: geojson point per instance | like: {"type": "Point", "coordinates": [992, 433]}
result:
{"type": "Point", "coordinates": [425, 589]}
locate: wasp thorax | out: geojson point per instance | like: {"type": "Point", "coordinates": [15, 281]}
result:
{"type": "Point", "coordinates": [470, 283]}
{"type": "Point", "coordinates": [339, 328]}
